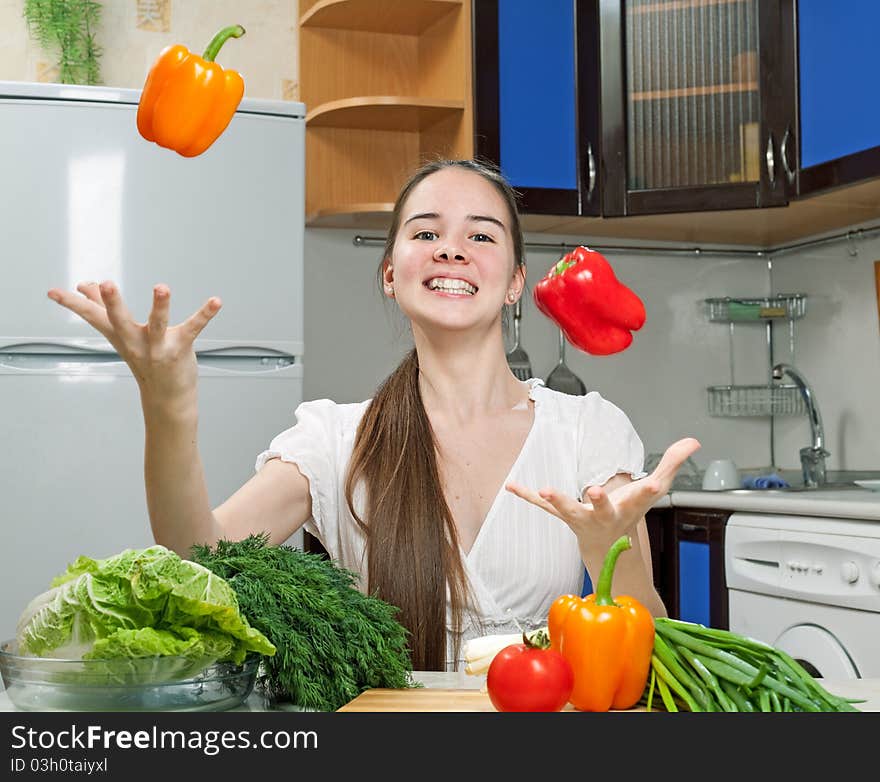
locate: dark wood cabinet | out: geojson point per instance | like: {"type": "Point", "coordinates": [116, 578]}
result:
{"type": "Point", "coordinates": [536, 100]}
{"type": "Point", "coordinates": [619, 108]}
{"type": "Point", "coordinates": [839, 112]}
{"type": "Point", "coordinates": [312, 545]}
{"type": "Point", "coordinates": [687, 549]}
{"type": "Point", "coordinates": [603, 107]}
{"type": "Point", "coordinates": [696, 102]}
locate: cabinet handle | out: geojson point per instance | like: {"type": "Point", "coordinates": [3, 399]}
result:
{"type": "Point", "coordinates": [591, 172]}
{"type": "Point", "coordinates": [783, 153]}
{"type": "Point", "coordinates": [771, 165]}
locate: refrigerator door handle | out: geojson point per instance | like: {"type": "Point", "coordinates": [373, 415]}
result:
{"type": "Point", "coordinates": [69, 347]}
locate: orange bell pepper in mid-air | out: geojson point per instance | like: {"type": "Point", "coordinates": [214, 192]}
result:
{"type": "Point", "coordinates": [608, 641]}
{"type": "Point", "coordinates": [187, 100]}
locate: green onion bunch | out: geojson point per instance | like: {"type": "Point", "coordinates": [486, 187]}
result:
{"type": "Point", "coordinates": [697, 668]}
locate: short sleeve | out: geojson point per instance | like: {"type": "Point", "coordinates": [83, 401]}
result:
{"type": "Point", "coordinates": [312, 444]}
{"type": "Point", "coordinates": [608, 443]}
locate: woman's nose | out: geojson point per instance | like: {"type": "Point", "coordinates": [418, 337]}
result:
{"type": "Point", "coordinates": [450, 253]}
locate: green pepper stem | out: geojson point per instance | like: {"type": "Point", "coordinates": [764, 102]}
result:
{"type": "Point", "coordinates": [603, 587]}
{"type": "Point", "coordinates": [213, 48]}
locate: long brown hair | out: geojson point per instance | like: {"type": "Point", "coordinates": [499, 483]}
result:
{"type": "Point", "coordinates": [413, 553]}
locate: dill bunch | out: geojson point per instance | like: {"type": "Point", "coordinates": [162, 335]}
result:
{"type": "Point", "coordinates": [332, 641]}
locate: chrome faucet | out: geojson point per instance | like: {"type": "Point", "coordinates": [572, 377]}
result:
{"type": "Point", "coordinates": [813, 456]}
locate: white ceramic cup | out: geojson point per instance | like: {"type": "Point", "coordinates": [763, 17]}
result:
{"type": "Point", "coordinates": [721, 474]}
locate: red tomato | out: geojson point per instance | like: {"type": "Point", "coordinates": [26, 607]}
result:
{"type": "Point", "coordinates": [527, 678]}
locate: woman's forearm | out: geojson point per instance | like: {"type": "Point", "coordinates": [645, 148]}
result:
{"type": "Point", "coordinates": [177, 496]}
{"type": "Point", "coordinates": [632, 575]}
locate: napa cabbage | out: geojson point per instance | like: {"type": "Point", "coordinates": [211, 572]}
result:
{"type": "Point", "coordinates": [139, 603]}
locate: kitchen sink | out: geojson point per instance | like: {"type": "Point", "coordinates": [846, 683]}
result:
{"type": "Point", "coordinates": [799, 487]}
{"type": "Point", "coordinates": [837, 481]}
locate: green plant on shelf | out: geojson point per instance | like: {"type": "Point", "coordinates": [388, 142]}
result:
{"type": "Point", "coordinates": [66, 30]}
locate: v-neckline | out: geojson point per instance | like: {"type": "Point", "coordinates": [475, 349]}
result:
{"type": "Point", "coordinates": [499, 495]}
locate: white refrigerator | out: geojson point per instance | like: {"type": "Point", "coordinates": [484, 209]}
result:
{"type": "Point", "coordinates": [84, 197]}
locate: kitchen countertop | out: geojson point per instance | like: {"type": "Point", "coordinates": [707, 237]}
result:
{"type": "Point", "coordinates": [833, 503]}
{"type": "Point", "coordinates": [457, 692]}
{"type": "Point", "coordinates": [867, 689]}
{"type": "Point", "coordinates": [837, 500]}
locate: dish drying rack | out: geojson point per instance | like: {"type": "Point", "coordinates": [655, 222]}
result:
{"type": "Point", "coordinates": [771, 399]}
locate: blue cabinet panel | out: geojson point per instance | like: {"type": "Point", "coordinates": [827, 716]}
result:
{"type": "Point", "coordinates": [693, 582]}
{"type": "Point", "coordinates": [838, 84]}
{"type": "Point", "coordinates": [587, 588]}
{"type": "Point", "coordinates": [536, 74]}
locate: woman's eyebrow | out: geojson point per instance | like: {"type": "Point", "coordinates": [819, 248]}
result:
{"type": "Point", "coordinates": [487, 219]}
{"type": "Point", "coordinates": [422, 216]}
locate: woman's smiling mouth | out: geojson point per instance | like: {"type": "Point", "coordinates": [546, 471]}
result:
{"type": "Point", "coordinates": [451, 285]}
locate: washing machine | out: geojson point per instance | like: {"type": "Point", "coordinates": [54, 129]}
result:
{"type": "Point", "coordinates": [809, 586]}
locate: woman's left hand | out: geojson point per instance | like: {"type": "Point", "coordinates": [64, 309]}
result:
{"type": "Point", "coordinates": [607, 515]}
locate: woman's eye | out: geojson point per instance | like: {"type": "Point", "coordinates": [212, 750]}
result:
{"type": "Point", "coordinates": [482, 238]}
{"type": "Point", "coordinates": [426, 235]}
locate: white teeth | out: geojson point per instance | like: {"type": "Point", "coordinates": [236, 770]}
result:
{"type": "Point", "coordinates": [451, 285]}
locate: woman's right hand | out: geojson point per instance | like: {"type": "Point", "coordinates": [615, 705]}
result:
{"type": "Point", "coordinates": [161, 358]}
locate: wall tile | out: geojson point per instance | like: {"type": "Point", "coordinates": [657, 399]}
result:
{"type": "Point", "coordinates": [133, 32]}
{"type": "Point", "coordinates": [154, 15]}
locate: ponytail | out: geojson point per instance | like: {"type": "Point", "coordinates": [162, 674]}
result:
{"type": "Point", "coordinates": [413, 553]}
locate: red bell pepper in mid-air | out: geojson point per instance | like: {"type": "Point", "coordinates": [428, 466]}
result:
{"type": "Point", "coordinates": [596, 312]}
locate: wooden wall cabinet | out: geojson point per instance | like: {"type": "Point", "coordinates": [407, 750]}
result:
{"type": "Point", "coordinates": [386, 85]}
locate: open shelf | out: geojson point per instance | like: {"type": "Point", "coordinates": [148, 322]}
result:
{"type": "Point", "coordinates": [406, 17]}
{"type": "Point", "coordinates": [386, 85]}
{"type": "Point", "coordinates": [375, 215]}
{"type": "Point", "coordinates": [383, 112]}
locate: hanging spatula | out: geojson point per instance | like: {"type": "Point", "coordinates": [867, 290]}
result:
{"type": "Point", "coordinates": [561, 378]}
{"type": "Point", "coordinates": [517, 358]}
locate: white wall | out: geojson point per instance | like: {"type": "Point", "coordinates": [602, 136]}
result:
{"type": "Point", "coordinates": [354, 338]}
{"type": "Point", "coordinates": [838, 349]}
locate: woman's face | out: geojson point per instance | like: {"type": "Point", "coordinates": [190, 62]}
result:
{"type": "Point", "coordinates": [452, 266]}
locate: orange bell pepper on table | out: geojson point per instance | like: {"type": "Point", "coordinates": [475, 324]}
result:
{"type": "Point", "coordinates": [187, 100]}
{"type": "Point", "coordinates": [608, 641]}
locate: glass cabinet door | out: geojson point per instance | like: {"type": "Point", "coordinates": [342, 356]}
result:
{"type": "Point", "coordinates": [695, 95]}
{"type": "Point", "coordinates": [692, 78]}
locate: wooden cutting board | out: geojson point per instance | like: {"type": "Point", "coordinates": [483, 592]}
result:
{"type": "Point", "coordinates": [439, 699]}
{"type": "Point", "coordinates": [427, 699]}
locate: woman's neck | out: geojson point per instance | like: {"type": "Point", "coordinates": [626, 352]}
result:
{"type": "Point", "coordinates": [467, 378]}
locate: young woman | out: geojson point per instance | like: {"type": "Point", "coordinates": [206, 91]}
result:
{"type": "Point", "coordinates": [466, 497]}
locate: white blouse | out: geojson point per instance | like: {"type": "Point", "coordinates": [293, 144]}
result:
{"type": "Point", "coordinates": [523, 558]}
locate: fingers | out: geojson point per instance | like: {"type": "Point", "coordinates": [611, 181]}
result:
{"type": "Point", "coordinates": [598, 498]}
{"type": "Point", "coordinates": [194, 324]}
{"type": "Point", "coordinates": [90, 291]}
{"type": "Point", "coordinates": [88, 309]}
{"type": "Point", "coordinates": [157, 323]}
{"type": "Point", "coordinates": [565, 506]}
{"type": "Point", "coordinates": [117, 313]}
{"type": "Point", "coordinates": [672, 459]}
{"type": "Point", "coordinates": [531, 496]}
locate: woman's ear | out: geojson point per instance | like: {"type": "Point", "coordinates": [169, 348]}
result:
{"type": "Point", "coordinates": [518, 281]}
{"type": "Point", "coordinates": [388, 278]}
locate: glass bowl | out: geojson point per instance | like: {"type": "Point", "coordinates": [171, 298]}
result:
{"type": "Point", "coordinates": [141, 684]}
